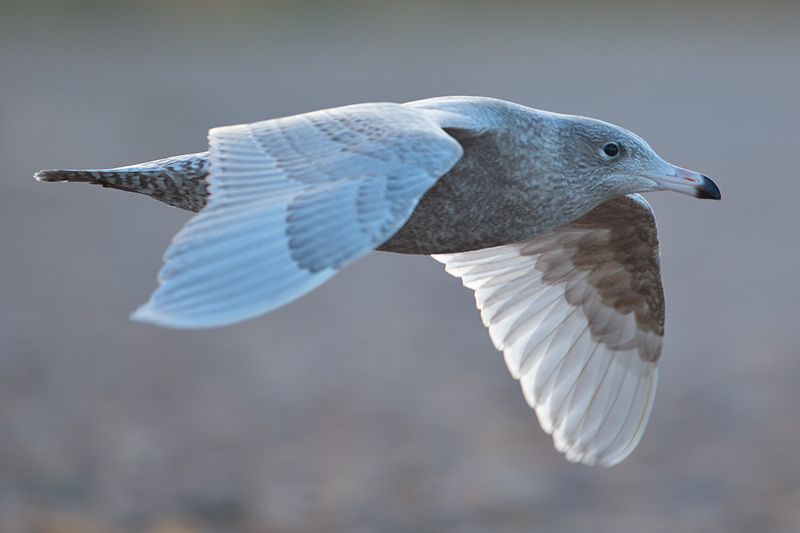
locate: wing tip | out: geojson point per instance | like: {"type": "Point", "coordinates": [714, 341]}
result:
{"type": "Point", "coordinates": [146, 314]}
{"type": "Point", "coordinates": [578, 452]}
{"type": "Point", "coordinates": [160, 315]}
{"type": "Point", "coordinates": [149, 313]}
{"type": "Point", "coordinates": [606, 460]}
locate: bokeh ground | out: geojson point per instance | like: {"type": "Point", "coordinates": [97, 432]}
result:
{"type": "Point", "coordinates": [377, 403]}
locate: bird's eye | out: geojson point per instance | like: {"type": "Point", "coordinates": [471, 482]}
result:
{"type": "Point", "coordinates": [610, 150]}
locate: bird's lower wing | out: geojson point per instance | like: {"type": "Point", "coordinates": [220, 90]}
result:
{"type": "Point", "coordinates": [294, 200]}
{"type": "Point", "coordinates": [579, 316]}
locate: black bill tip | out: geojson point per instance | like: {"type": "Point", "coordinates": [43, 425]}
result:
{"type": "Point", "coordinates": [707, 189]}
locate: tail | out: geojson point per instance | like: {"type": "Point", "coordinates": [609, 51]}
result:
{"type": "Point", "coordinates": [178, 181]}
{"type": "Point", "coordinates": [88, 176]}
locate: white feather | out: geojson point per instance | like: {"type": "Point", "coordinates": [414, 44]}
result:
{"type": "Point", "coordinates": [585, 367]}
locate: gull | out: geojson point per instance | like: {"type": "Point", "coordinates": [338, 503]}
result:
{"type": "Point", "coordinates": [537, 212]}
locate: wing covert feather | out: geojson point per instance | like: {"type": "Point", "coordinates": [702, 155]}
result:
{"type": "Point", "coordinates": [292, 201]}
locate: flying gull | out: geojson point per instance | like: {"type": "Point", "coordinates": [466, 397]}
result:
{"type": "Point", "coordinates": [536, 212]}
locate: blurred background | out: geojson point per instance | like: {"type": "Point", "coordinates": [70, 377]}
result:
{"type": "Point", "coordinates": [377, 402]}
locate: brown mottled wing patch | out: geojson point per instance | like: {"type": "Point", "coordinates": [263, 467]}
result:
{"type": "Point", "coordinates": [579, 316]}
{"type": "Point", "coordinates": [616, 245]}
{"type": "Point", "coordinates": [631, 242]}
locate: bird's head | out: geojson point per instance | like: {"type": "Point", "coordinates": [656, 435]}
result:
{"type": "Point", "coordinates": [620, 162]}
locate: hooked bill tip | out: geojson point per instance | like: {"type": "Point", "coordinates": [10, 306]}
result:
{"type": "Point", "coordinates": [707, 189]}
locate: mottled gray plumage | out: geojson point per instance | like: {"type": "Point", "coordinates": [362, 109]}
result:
{"type": "Point", "coordinates": [509, 185]}
{"type": "Point", "coordinates": [179, 181]}
{"type": "Point", "coordinates": [535, 211]}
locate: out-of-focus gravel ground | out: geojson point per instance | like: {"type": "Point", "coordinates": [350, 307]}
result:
{"type": "Point", "coordinates": [377, 403]}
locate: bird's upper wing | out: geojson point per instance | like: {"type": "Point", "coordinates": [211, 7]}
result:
{"type": "Point", "coordinates": [293, 200]}
{"type": "Point", "coordinates": [579, 316]}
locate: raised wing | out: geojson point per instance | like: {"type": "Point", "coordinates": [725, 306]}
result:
{"type": "Point", "coordinates": [579, 316]}
{"type": "Point", "coordinates": [294, 200]}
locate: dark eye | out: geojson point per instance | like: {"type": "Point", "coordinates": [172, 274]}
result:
{"type": "Point", "coordinates": [610, 150]}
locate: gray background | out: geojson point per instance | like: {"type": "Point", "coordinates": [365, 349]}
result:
{"type": "Point", "coordinates": [377, 402]}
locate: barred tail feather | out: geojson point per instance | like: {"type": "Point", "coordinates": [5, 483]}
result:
{"type": "Point", "coordinates": [178, 181]}
{"type": "Point", "coordinates": [85, 176]}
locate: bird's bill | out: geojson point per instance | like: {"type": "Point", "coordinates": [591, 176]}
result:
{"type": "Point", "coordinates": [688, 182]}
